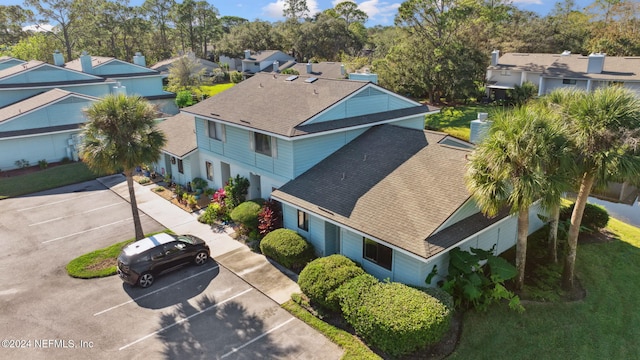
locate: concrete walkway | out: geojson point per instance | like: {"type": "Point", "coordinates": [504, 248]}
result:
{"type": "Point", "coordinates": [255, 269]}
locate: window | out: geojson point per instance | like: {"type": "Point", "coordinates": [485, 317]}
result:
{"type": "Point", "coordinates": [303, 220]}
{"type": "Point", "coordinates": [180, 167]}
{"type": "Point", "coordinates": [377, 253]}
{"type": "Point", "coordinates": [216, 131]}
{"type": "Point", "coordinates": [262, 143]}
{"type": "Point", "coordinates": [209, 167]}
{"type": "Point", "coordinates": [568, 82]}
{"type": "Point", "coordinates": [505, 73]}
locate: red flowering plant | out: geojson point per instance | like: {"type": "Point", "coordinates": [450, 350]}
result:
{"type": "Point", "coordinates": [270, 217]}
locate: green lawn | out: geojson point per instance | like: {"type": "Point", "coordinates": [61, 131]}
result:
{"type": "Point", "coordinates": [45, 179]}
{"type": "Point", "coordinates": [212, 90]}
{"type": "Point", "coordinates": [455, 121]}
{"type": "Point", "coordinates": [605, 325]}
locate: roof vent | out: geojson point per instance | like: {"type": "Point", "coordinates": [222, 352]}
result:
{"type": "Point", "coordinates": [291, 78]}
{"type": "Point", "coordinates": [566, 53]}
{"type": "Point", "coordinates": [310, 80]}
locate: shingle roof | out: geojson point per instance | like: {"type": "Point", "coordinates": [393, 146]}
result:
{"type": "Point", "coordinates": [272, 104]}
{"type": "Point", "coordinates": [331, 70]}
{"type": "Point", "coordinates": [571, 66]}
{"type": "Point", "coordinates": [395, 184]}
{"type": "Point", "coordinates": [262, 55]}
{"type": "Point", "coordinates": [180, 133]}
{"type": "Point", "coordinates": [95, 61]}
{"type": "Point", "coordinates": [43, 130]}
{"type": "Point", "coordinates": [41, 100]}
{"type": "Point", "coordinates": [14, 70]}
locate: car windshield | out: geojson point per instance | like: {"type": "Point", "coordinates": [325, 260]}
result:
{"type": "Point", "coordinates": [186, 239]}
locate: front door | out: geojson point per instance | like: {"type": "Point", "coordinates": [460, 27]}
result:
{"type": "Point", "coordinates": [332, 239]}
{"type": "Point", "coordinates": [254, 188]}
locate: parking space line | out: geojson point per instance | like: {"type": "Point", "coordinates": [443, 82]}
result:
{"type": "Point", "coordinates": [58, 202]}
{"type": "Point", "coordinates": [256, 339]}
{"type": "Point", "coordinates": [86, 231]}
{"type": "Point", "coordinates": [153, 292]}
{"type": "Point", "coordinates": [184, 319]}
{"type": "Point", "coordinates": [84, 212]}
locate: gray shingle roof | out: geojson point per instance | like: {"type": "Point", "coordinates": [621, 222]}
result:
{"type": "Point", "coordinates": [272, 104]}
{"type": "Point", "coordinates": [571, 66]}
{"type": "Point", "coordinates": [180, 133]}
{"type": "Point", "coordinates": [331, 70]}
{"type": "Point", "coordinates": [395, 184]}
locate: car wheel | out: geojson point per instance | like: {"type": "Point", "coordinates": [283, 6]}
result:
{"type": "Point", "coordinates": [201, 258]}
{"type": "Point", "coordinates": [146, 280]}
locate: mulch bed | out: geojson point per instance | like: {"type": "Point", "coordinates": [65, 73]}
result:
{"type": "Point", "coordinates": [27, 170]}
{"type": "Point", "coordinates": [169, 195]}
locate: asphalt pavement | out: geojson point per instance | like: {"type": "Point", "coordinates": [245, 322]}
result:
{"type": "Point", "coordinates": [269, 278]}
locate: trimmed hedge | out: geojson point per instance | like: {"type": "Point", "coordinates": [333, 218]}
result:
{"type": "Point", "coordinates": [247, 214]}
{"type": "Point", "coordinates": [595, 217]}
{"type": "Point", "coordinates": [320, 279]}
{"type": "Point", "coordinates": [394, 317]}
{"type": "Point", "coordinates": [288, 248]}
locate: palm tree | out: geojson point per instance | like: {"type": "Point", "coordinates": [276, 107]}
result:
{"type": "Point", "coordinates": [604, 126]}
{"type": "Point", "coordinates": [508, 169]}
{"type": "Point", "coordinates": [121, 135]}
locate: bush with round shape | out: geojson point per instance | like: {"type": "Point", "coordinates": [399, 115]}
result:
{"type": "Point", "coordinates": [287, 248]}
{"type": "Point", "coordinates": [398, 319]}
{"type": "Point", "coordinates": [595, 217]}
{"type": "Point", "coordinates": [351, 292]}
{"type": "Point", "coordinates": [247, 214]}
{"type": "Point", "coordinates": [320, 279]}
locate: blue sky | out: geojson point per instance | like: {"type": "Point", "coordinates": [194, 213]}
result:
{"type": "Point", "coordinates": [381, 12]}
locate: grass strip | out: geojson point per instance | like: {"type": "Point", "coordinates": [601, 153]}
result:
{"type": "Point", "coordinates": [99, 263]}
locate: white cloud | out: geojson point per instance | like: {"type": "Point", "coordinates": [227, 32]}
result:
{"type": "Point", "coordinates": [274, 10]}
{"type": "Point", "coordinates": [38, 28]}
{"type": "Point", "coordinates": [382, 12]}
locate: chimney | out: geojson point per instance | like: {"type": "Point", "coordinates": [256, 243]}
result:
{"type": "Point", "coordinates": [596, 63]}
{"type": "Point", "coordinates": [85, 62]}
{"type": "Point", "coordinates": [342, 71]}
{"type": "Point", "coordinates": [247, 54]}
{"type": "Point", "coordinates": [276, 66]}
{"type": "Point", "coordinates": [58, 58]}
{"type": "Point", "coordinates": [309, 68]}
{"type": "Point", "coordinates": [139, 60]}
{"type": "Point", "coordinates": [495, 55]}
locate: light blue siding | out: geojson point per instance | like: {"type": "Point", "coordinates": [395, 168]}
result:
{"type": "Point", "coordinates": [68, 111]}
{"type": "Point", "coordinates": [10, 96]}
{"type": "Point", "coordinates": [351, 244]}
{"type": "Point", "coordinates": [145, 86]}
{"type": "Point", "coordinates": [310, 151]}
{"type": "Point", "coordinates": [416, 122]}
{"type": "Point", "coordinates": [409, 270]}
{"type": "Point", "coordinates": [116, 67]}
{"type": "Point", "coordinates": [51, 148]}
{"type": "Point", "coordinates": [46, 73]}
{"type": "Point", "coordinates": [10, 63]}
{"type": "Point", "coordinates": [466, 210]}
{"type": "Point", "coordinates": [366, 101]}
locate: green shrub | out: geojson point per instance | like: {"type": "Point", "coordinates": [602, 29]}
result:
{"type": "Point", "coordinates": [398, 319]}
{"type": "Point", "coordinates": [43, 164]}
{"type": "Point", "coordinates": [350, 293]}
{"type": "Point", "coordinates": [246, 214]}
{"type": "Point", "coordinates": [288, 248]}
{"type": "Point", "coordinates": [213, 213]}
{"type": "Point", "coordinates": [199, 183]}
{"type": "Point", "coordinates": [235, 77]}
{"type": "Point", "coordinates": [595, 217]}
{"type": "Point", "coordinates": [236, 191]}
{"type": "Point", "coordinates": [320, 279]}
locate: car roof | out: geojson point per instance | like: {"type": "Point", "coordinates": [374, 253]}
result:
{"type": "Point", "coordinates": [145, 244]}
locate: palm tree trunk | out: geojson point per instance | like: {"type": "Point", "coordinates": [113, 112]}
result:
{"type": "Point", "coordinates": [553, 234]}
{"type": "Point", "coordinates": [134, 205]}
{"type": "Point", "coordinates": [521, 246]}
{"type": "Point", "coordinates": [574, 230]}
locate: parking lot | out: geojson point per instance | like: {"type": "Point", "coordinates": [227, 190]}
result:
{"type": "Point", "coordinates": [196, 312]}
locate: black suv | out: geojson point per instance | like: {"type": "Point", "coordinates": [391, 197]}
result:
{"type": "Point", "coordinates": [140, 262]}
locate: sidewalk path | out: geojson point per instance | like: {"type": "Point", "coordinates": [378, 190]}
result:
{"type": "Point", "coordinates": [253, 268]}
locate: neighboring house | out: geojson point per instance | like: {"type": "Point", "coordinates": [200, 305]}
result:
{"type": "Point", "coordinates": [42, 127]}
{"type": "Point", "coordinates": [263, 61]}
{"type": "Point", "coordinates": [326, 69]}
{"type": "Point", "coordinates": [180, 153]}
{"type": "Point", "coordinates": [205, 66]}
{"type": "Point", "coordinates": [552, 71]}
{"type": "Point", "coordinates": [41, 104]}
{"type": "Point", "coordinates": [355, 171]}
